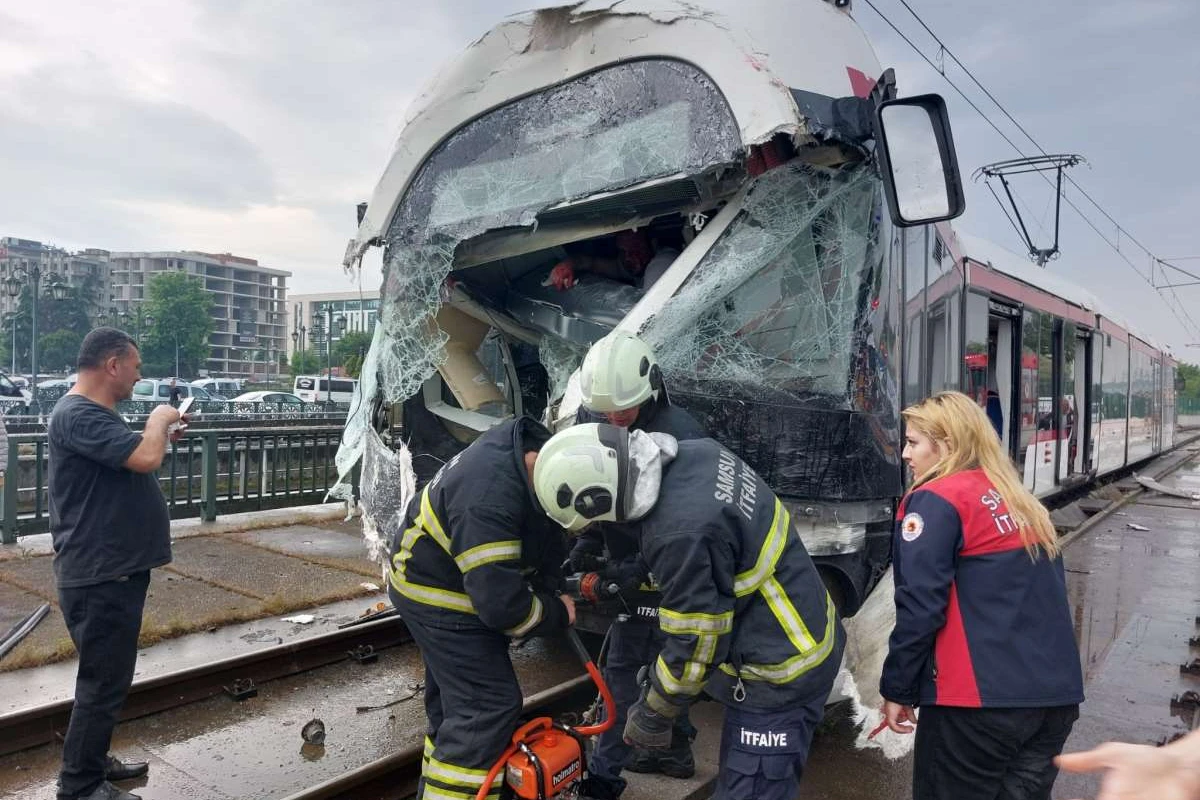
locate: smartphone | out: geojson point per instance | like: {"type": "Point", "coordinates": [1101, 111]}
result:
{"type": "Point", "coordinates": [186, 405]}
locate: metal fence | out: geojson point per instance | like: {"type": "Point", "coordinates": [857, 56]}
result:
{"type": "Point", "coordinates": [256, 465]}
{"type": "Point", "coordinates": [16, 411]}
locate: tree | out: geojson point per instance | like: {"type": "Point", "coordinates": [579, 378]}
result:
{"type": "Point", "coordinates": [182, 312]}
{"type": "Point", "coordinates": [1190, 375]}
{"type": "Point", "coordinates": [69, 314]}
{"type": "Point", "coordinates": [305, 363]}
{"type": "Point", "coordinates": [350, 350]}
{"type": "Point", "coordinates": [59, 350]}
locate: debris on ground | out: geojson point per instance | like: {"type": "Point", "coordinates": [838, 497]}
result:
{"type": "Point", "coordinates": [313, 732]}
{"type": "Point", "coordinates": [1134, 526]}
{"type": "Point", "coordinates": [1154, 485]}
{"type": "Point", "coordinates": [23, 629]}
{"type": "Point", "coordinates": [370, 587]}
{"type": "Point", "coordinates": [299, 619]}
{"type": "Point", "coordinates": [413, 692]}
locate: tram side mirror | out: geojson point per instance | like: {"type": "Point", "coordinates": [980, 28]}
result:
{"type": "Point", "coordinates": [917, 159]}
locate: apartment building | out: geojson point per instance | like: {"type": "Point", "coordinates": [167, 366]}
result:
{"type": "Point", "coordinates": [20, 257]}
{"type": "Point", "coordinates": [250, 319]}
{"type": "Point", "coordinates": [310, 314]}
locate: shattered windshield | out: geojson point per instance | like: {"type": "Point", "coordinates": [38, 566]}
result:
{"type": "Point", "coordinates": [775, 301]}
{"type": "Point", "coordinates": [608, 130]}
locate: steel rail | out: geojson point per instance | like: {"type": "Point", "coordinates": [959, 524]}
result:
{"type": "Point", "coordinates": [39, 725]}
{"type": "Point", "coordinates": [1183, 458]}
{"type": "Point", "coordinates": [395, 776]}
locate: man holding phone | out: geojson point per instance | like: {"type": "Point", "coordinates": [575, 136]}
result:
{"type": "Point", "coordinates": [110, 527]}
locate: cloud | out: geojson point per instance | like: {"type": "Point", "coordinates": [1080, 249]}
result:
{"type": "Point", "coordinates": [252, 127]}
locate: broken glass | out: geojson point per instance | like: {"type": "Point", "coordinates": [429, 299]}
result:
{"type": "Point", "coordinates": [604, 131]}
{"type": "Point", "coordinates": [775, 302]}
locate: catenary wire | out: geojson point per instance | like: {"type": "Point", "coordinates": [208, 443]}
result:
{"type": "Point", "coordinates": [1185, 320]}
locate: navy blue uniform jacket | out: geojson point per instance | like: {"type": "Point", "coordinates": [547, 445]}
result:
{"type": "Point", "coordinates": [978, 623]}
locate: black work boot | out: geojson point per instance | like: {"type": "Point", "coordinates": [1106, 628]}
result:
{"type": "Point", "coordinates": [678, 762]}
{"type": "Point", "coordinates": [643, 761]}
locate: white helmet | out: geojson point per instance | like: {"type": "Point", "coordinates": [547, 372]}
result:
{"type": "Point", "coordinates": [618, 373]}
{"type": "Point", "coordinates": [581, 475]}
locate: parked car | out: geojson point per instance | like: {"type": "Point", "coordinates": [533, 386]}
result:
{"type": "Point", "coordinates": [261, 396]}
{"type": "Point", "coordinates": [59, 383]}
{"type": "Point", "coordinates": [318, 388]}
{"type": "Point", "coordinates": [159, 390]}
{"type": "Point", "coordinates": [220, 388]}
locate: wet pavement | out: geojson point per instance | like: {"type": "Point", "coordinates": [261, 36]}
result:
{"type": "Point", "coordinates": [1135, 595]}
{"type": "Point", "coordinates": [246, 567]}
{"type": "Point", "coordinates": [219, 749]}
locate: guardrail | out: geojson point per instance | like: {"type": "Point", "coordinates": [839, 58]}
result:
{"type": "Point", "coordinates": [271, 464]}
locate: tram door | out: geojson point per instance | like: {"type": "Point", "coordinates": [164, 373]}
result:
{"type": "Point", "coordinates": [1082, 442]}
{"type": "Point", "coordinates": [1004, 394]}
{"type": "Point", "coordinates": [990, 373]}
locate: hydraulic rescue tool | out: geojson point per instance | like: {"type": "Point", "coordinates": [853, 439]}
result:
{"type": "Point", "coordinates": [546, 760]}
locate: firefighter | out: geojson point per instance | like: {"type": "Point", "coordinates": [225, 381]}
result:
{"type": "Point", "coordinates": [621, 383]}
{"type": "Point", "coordinates": [746, 616]}
{"type": "Point", "coordinates": [458, 576]}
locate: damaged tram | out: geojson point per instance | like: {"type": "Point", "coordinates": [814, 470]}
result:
{"type": "Point", "coordinates": [729, 180]}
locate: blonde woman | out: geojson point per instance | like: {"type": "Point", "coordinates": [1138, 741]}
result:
{"type": "Point", "coordinates": [983, 641]}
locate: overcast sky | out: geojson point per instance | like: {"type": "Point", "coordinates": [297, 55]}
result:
{"type": "Point", "coordinates": [255, 126]}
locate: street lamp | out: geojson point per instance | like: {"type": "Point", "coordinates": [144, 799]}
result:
{"type": "Point", "coordinates": [12, 317]}
{"type": "Point", "coordinates": [56, 289]}
{"type": "Point", "coordinates": [327, 324]}
{"type": "Point", "coordinates": [140, 321]}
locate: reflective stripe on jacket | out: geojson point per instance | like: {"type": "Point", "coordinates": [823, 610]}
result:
{"type": "Point", "coordinates": [746, 615]}
{"type": "Point", "coordinates": [473, 538]}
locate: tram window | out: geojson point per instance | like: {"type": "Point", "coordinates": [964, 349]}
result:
{"type": "Point", "coordinates": [607, 130]}
{"type": "Point", "coordinates": [1031, 331]}
{"type": "Point", "coordinates": [916, 368]}
{"type": "Point", "coordinates": [977, 369]}
{"type": "Point", "coordinates": [775, 301]}
{"type": "Point", "coordinates": [1116, 382]}
{"type": "Point", "coordinates": [1097, 405]}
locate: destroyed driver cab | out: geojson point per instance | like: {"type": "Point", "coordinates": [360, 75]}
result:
{"type": "Point", "coordinates": [724, 179]}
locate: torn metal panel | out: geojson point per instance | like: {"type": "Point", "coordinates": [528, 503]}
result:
{"type": "Point", "coordinates": [753, 50]}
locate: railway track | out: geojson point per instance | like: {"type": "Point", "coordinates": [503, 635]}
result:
{"type": "Point", "coordinates": [395, 776]}
{"type": "Point", "coordinates": [237, 675]}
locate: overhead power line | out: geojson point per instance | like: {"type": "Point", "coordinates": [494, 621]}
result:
{"type": "Point", "coordinates": [1180, 313]}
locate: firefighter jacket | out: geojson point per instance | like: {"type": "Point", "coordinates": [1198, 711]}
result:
{"type": "Point", "coordinates": [474, 538]}
{"type": "Point", "coordinates": [978, 622]}
{"type": "Point", "coordinates": [746, 615]}
{"type": "Point", "coordinates": [655, 417]}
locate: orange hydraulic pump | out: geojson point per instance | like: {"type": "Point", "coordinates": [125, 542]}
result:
{"type": "Point", "coordinates": [546, 759]}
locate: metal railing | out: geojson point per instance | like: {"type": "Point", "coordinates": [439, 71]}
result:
{"type": "Point", "coordinates": [208, 471]}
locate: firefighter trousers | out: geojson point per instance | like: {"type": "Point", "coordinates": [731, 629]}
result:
{"type": "Point", "coordinates": [763, 753]}
{"type": "Point", "coordinates": [631, 645]}
{"type": "Point", "coordinates": [472, 703]}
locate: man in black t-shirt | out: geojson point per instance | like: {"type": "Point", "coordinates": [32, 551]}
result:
{"type": "Point", "coordinates": [109, 523]}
